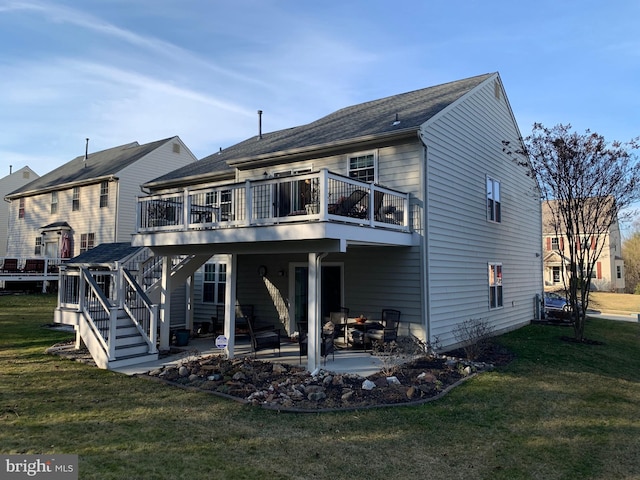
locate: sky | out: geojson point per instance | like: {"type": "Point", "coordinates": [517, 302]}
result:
{"type": "Point", "coordinates": [118, 71]}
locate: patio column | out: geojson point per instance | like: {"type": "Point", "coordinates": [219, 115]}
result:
{"type": "Point", "coordinates": [165, 303]}
{"type": "Point", "coordinates": [313, 310]}
{"type": "Point", "coordinates": [229, 304]}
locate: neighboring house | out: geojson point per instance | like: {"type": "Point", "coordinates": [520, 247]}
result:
{"type": "Point", "coordinates": [8, 184]}
{"type": "Point", "coordinates": [608, 274]}
{"type": "Point", "coordinates": [87, 201]}
{"type": "Point", "coordinates": [406, 203]}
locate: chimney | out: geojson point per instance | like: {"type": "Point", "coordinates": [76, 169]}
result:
{"type": "Point", "coordinates": [260, 124]}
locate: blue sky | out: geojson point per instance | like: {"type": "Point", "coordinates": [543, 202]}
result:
{"type": "Point", "coordinates": [119, 71]}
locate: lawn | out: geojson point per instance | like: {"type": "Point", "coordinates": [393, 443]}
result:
{"type": "Point", "coordinates": [614, 302]}
{"type": "Point", "coordinates": [559, 411]}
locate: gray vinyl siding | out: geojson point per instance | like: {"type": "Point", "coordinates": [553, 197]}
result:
{"type": "Point", "coordinates": [464, 146]}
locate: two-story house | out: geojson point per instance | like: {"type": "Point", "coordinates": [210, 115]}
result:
{"type": "Point", "coordinates": [407, 202]}
{"type": "Point", "coordinates": [8, 184]}
{"type": "Point", "coordinates": [86, 202]}
{"type": "Point", "coordinates": [608, 274]}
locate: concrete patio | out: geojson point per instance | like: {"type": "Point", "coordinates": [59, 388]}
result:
{"type": "Point", "coordinates": [347, 360]}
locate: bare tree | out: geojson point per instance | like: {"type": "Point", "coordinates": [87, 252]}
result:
{"type": "Point", "coordinates": [587, 184]}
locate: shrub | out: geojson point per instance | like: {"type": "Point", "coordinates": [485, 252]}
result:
{"type": "Point", "coordinates": [475, 336]}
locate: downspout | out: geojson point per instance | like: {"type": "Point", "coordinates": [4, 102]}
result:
{"type": "Point", "coordinates": [425, 298]}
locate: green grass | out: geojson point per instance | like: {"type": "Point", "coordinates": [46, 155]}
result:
{"type": "Point", "coordinates": [559, 411]}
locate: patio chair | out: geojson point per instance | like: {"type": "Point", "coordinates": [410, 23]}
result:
{"type": "Point", "coordinates": [217, 321]}
{"type": "Point", "coordinates": [339, 320]}
{"type": "Point", "coordinates": [33, 265]}
{"type": "Point", "coordinates": [10, 265]}
{"type": "Point", "coordinates": [264, 339]}
{"type": "Point", "coordinates": [390, 320]}
{"type": "Point", "coordinates": [351, 206]}
{"type": "Point", "coordinates": [326, 342]}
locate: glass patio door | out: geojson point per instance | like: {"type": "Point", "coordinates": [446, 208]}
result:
{"type": "Point", "coordinates": [331, 297]}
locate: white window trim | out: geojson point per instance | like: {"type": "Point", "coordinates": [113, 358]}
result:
{"type": "Point", "coordinates": [499, 282]}
{"type": "Point", "coordinates": [374, 153]}
{"type": "Point", "coordinates": [494, 181]}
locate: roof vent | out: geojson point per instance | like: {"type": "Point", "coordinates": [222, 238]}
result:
{"type": "Point", "coordinates": [260, 124]}
{"type": "Point", "coordinates": [396, 121]}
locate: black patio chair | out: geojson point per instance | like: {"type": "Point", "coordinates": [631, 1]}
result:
{"type": "Point", "coordinates": [390, 321]}
{"type": "Point", "coordinates": [264, 338]}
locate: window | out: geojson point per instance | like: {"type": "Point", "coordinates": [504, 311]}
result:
{"type": "Point", "coordinates": [555, 243]}
{"type": "Point", "coordinates": [618, 272]}
{"type": "Point", "coordinates": [495, 285]}
{"type": "Point", "coordinates": [215, 279]}
{"type": "Point", "coordinates": [494, 210]}
{"type": "Point", "coordinates": [556, 274]}
{"type": "Point", "coordinates": [75, 203]}
{"type": "Point", "coordinates": [54, 202]}
{"type": "Point", "coordinates": [38, 249]}
{"type": "Point", "coordinates": [363, 167]}
{"type": "Point", "coordinates": [87, 241]}
{"type": "Point", "coordinates": [21, 208]}
{"type": "Point", "coordinates": [104, 194]}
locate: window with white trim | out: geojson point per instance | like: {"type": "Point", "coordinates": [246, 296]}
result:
{"type": "Point", "coordinates": [104, 194]}
{"type": "Point", "coordinates": [363, 167]}
{"type": "Point", "coordinates": [87, 241]}
{"type": "Point", "coordinates": [21, 207]}
{"type": "Point", "coordinates": [494, 206]}
{"type": "Point", "coordinates": [213, 286]}
{"type": "Point", "coordinates": [495, 285]}
{"type": "Point", "coordinates": [75, 202]}
{"type": "Point", "coordinates": [38, 248]}
{"type": "Point", "coordinates": [54, 202]}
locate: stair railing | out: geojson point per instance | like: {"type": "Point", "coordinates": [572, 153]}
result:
{"type": "Point", "coordinates": [140, 309]}
{"type": "Point", "coordinates": [99, 311]}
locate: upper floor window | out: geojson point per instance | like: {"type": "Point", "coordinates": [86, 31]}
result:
{"type": "Point", "coordinates": [495, 285]}
{"type": "Point", "coordinates": [555, 243]}
{"type": "Point", "coordinates": [87, 241]}
{"type": "Point", "coordinates": [363, 167]}
{"type": "Point", "coordinates": [494, 210]}
{"type": "Point", "coordinates": [54, 202]}
{"type": "Point", "coordinates": [21, 204]}
{"type": "Point", "coordinates": [75, 202]}
{"type": "Point", "coordinates": [38, 248]}
{"type": "Point", "coordinates": [213, 286]}
{"type": "Point", "coordinates": [104, 194]}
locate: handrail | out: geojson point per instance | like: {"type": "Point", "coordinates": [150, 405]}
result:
{"type": "Point", "coordinates": [99, 312]}
{"type": "Point", "coordinates": [293, 198]}
{"type": "Point", "coordinates": [140, 308]}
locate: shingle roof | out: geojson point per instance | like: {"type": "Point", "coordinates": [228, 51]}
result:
{"type": "Point", "coordinates": [370, 119]}
{"type": "Point", "coordinates": [98, 165]}
{"type": "Point", "coordinates": [105, 253]}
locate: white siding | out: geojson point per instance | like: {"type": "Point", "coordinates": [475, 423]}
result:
{"type": "Point", "coordinates": [464, 146]}
{"type": "Point", "coordinates": [157, 163]}
{"type": "Point", "coordinates": [114, 223]}
{"type": "Point", "coordinates": [8, 184]}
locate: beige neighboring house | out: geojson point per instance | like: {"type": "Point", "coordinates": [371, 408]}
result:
{"type": "Point", "coordinates": [608, 273]}
{"type": "Point", "coordinates": [88, 201]}
{"type": "Point", "coordinates": [8, 184]}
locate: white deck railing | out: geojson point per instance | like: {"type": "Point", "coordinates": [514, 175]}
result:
{"type": "Point", "coordinates": [319, 196]}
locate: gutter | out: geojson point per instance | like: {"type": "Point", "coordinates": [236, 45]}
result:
{"type": "Point", "coordinates": [63, 186]}
{"type": "Point", "coordinates": [424, 242]}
